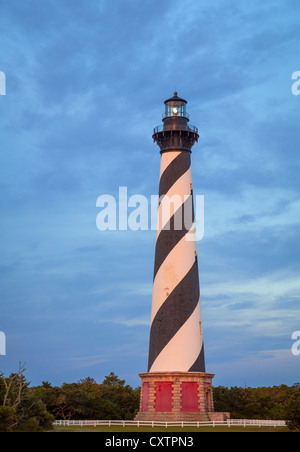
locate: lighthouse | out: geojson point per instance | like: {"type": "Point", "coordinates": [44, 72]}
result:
{"type": "Point", "coordinates": [176, 385]}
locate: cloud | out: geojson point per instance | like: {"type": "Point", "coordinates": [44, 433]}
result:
{"type": "Point", "coordinates": [271, 285]}
{"type": "Point", "coordinates": [257, 367]}
{"type": "Point", "coordinates": [130, 322]}
{"type": "Point", "coordinates": [85, 87]}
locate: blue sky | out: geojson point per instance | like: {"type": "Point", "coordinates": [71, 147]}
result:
{"type": "Point", "coordinates": [85, 85]}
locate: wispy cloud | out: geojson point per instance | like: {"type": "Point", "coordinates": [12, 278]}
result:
{"type": "Point", "coordinates": [85, 86]}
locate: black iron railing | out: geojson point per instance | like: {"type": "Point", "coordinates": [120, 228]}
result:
{"type": "Point", "coordinates": [163, 128]}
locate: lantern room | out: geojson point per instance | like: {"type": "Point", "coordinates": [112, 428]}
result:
{"type": "Point", "coordinates": [175, 107]}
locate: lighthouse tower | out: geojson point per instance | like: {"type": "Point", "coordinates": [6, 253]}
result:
{"type": "Point", "coordinates": [176, 386]}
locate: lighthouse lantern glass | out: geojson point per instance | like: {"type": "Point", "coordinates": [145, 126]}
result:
{"type": "Point", "coordinates": [175, 108]}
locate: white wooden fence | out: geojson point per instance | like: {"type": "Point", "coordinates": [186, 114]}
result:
{"type": "Point", "coordinates": [228, 423]}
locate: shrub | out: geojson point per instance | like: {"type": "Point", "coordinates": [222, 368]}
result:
{"type": "Point", "coordinates": [7, 418]}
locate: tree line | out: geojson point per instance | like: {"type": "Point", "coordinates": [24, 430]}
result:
{"type": "Point", "coordinates": [26, 408]}
{"type": "Point", "coordinates": [276, 403]}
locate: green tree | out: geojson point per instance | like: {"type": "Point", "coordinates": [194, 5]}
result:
{"type": "Point", "coordinates": [122, 396]}
{"type": "Point", "coordinates": [32, 413]}
{"type": "Point", "coordinates": [68, 402]}
{"type": "Point", "coordinates": [22, 409]}
{"type": "Point", "coordinates": [7, 418]}
{"type": "Point", "coordinates": [259, 403]}
{"type": "Point", "coordinates": [13, 387]}
{"type": "Point", "coordinates": [292, 412]}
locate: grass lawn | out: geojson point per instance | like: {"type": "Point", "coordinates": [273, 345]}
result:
{"type": "Point", "coordinates": [127, 429]}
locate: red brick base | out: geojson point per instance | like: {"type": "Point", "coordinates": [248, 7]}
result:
{"type": "Point", "coordinates": [177, 396]}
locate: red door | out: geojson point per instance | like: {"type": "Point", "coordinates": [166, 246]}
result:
{"type": "Point", "coordinates": [189, 397]}
{"type": "Point", "coordinates": [163, 396]}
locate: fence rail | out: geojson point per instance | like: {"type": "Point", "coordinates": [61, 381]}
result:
{"type": "Point", "coordinates": [228, 423]}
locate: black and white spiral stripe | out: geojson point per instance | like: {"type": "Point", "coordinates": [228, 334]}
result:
{"type": "Point", "coordinates": [176, 342]}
